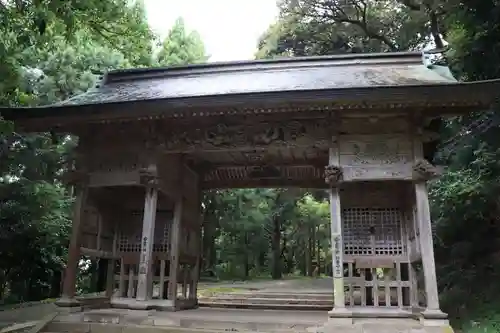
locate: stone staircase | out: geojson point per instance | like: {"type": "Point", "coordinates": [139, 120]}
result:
{"type": "Point", "coordinates": [266, 300]}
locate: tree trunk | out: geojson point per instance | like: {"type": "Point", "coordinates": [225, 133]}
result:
{"type": "Point", "coordinates": [308, 255]}
{"type": "Point", "coordinates": [246, 259]}
{"type": "Point", "coordinates": [55, 284]}
{"type": "Point", "coordinates": [290, 260]}
{"type": "Point", "coordinates": [313, 250]}
{"type": "Point", "coordinates": [276, 248]}
{"type": "Point", "coordinates": [283, 254]}
{"type": "Point", "coordinates": [209, 251]}
{"type": "Point", "coordinates": [318, 254]}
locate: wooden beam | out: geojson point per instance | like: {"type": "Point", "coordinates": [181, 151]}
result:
{"type": "Point", "coordinates": [264, 183]}
{"type": "Point", "coordinates": [98, 254]}
{"type": "Point", "coordinates": [318, 162]}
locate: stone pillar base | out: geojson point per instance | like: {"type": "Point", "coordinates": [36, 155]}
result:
{"type": "Point", "coordinates": [434, 314]}
{"type": "Point", "coordinates": [340, 313]}
{"type": "Point", "coordinates": [340, 317]}
{"type": "Point", "coordinates": [68, 305]}
{"type": "Point", "coordinates": [68, 302]}
{"type": "Point", "coordinates": [434, 318]}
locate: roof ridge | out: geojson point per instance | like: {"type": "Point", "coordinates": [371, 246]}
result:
{"type": "Point", "coordinates": [261, 64]}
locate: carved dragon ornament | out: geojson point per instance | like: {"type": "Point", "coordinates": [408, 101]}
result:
{"type": "Point", "coordinates": [148, 177]}
{"type": "Point", "coordinates": [333, 175]}
{"type": "Point", "coordinates": [423, 170]}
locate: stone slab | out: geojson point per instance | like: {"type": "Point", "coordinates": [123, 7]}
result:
{"type": "Point", "coordinates": [267, 300]}
{"type": "Point", "coordinates": [132, 304]}
{"type": "Point", "coordinates": [268, 306]}
{"type": "Point", "coordinates": [18, 327]}
{"type": "Point", "coordinates": [277, 295]}
{"type": "Point", "coordinates": [225, 320]}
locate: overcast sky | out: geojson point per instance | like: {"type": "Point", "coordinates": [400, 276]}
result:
{"type": "Point", "coordinates": [230, 29]}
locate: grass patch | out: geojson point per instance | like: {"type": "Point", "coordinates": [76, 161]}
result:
{"type": "Point", "coordinates": [214, 291]}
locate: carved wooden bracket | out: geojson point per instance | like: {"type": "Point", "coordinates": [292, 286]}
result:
{"type": "Point", "coordinates": [423, 170]}
{"type": "Point", "coordinates": [333, 175]}
{"type": "Point", "coordinates": [148, 177]}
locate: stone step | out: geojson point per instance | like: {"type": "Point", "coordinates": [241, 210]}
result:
{"type": "Point", "coordinates": [267, 306]}
{"type": "Point", "coordinates": [191, 326]}
{"type": "Point", "coordinates": [278, 295]}
{"type": "Point", "coordinates": [255, 300]}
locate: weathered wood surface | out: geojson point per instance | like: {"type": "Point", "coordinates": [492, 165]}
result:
{"type": "Point", "coordinates": [376, 157]}
{"type": "Point", "coordinates": [264, 151]}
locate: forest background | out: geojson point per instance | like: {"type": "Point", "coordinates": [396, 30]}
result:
{"type": "Point", "coordinates": [51, 50]}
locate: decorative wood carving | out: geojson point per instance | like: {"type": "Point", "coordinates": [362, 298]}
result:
{"type": "Point", "coordinates": [423, 170]}
{"type": "Point", "coordinates": [264, 172]}
{"type": "Point", "coordinates": [367, 157]}
{"type": "Point", "coordinates": [149, 176]}
{"type": "Point", "coordinates": [373, 172]}
{"type": "Point", "coordinates": [333, 175]}
{"type": "Point", "coordinates": [375, 125]}
{"type": "Point", "coordinates": [375, 150]}
{"type": "Point", "coordinates": [254, 156]}
{"type": "Point", "coordinates": [311, 132]}
{"type": "Point", "coordinates": [112, 160]}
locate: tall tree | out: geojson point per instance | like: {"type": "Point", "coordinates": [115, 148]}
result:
{"type": "Point", "coordinates": [51, 52]}
{"type": "Point", "coordinates": [319, 27]}
{"type": "Point", "coordinates": [181, 47]}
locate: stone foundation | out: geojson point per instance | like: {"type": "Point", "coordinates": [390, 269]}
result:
{"type": "Point", "coordinates": [221, 320]}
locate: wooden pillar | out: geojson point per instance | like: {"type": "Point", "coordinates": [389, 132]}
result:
{"type": "Point", "coordinates": [427, 247]}
{"type": "Point", "coordinates": [333, 176]}
{"type": "Point", "coordinates": [148, 227]}
{"type": "Point", "coordinates": [110, 278]}
{"type": "Point", "coordinates": [422, 172]}
{"type": "Point", "coordinates": [184, 271]}
{"type": "Point", "coordinates": [175, 250]}
{"type": "Point", "coordinates": [131, 281]}
{"type": "Point", "coordinates": [69, 284]}
{"type": "Point", "coordinates": [193, 288]}
{"type": "Point", "coordinates": [121, 281]}
{"type": "Point", "coordinates": [162, 278]}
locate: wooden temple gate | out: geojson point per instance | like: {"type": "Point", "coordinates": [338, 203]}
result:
{"type": "Point", "coordinates": [361, 126]}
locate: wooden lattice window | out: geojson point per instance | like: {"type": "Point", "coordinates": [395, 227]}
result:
{"type": "Point", "coordinates": [129, 241]}
{"type": "Point", "coordinates": [373, 231]}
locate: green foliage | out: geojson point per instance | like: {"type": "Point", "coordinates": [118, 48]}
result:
{"type": "Point", "coordinates": [320, 27]}
{"type": "Point", "coordinates": [265, 232]}
{"type": "Point", "coordinates": [51, 51]}
{"type": "Point", "coordinates": [181, 47]}
{"type": "Point", "coordinates": [464, 201]}
{"type": "Point", "coordinates": [474, 37]}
